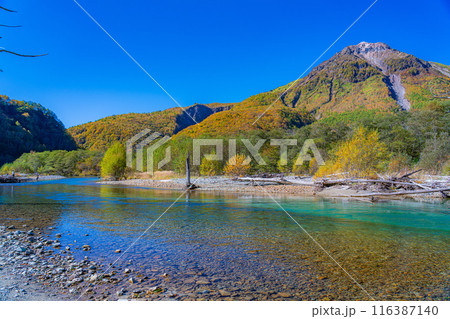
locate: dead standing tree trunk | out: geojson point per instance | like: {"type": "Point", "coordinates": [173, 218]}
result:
{"type": "Point", "coordinates": [188, 171]}
{"type": "Point", "coordinates": [189, 185]}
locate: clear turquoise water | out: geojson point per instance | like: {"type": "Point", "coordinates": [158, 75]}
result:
{"type": "Point", "coordinates": [246, 244]}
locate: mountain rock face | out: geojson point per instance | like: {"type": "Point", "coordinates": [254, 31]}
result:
{"type": "Point", "coordinates": [28, 126]}
{"type": "Point", "coordinates": [99, 135]}
{"type": "Point", "coordinates": [366, 76]}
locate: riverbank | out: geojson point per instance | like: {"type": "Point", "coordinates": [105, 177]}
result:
{"type": "Point", "coordinates": [26, 178]}
{"type": "Point", "coordinates": [301, 187]}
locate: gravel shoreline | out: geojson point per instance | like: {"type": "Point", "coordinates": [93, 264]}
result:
{"type": "Point", "coordinates": [221, 184]}
{"type": "Point", "coordinates": [31, 178]}
{"type": "Point", "coordinates": [218, 184]}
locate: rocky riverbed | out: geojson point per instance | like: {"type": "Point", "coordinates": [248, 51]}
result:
{"type": "Point", "coordinates": [33, 267]}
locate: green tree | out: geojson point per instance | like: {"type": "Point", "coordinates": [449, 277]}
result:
{"type": "Point", "coordinates": [114, 162]}
{"type": "Point", "coordinates": [435, 155]}
{"type": "Point", "coordinates": [210, 168]}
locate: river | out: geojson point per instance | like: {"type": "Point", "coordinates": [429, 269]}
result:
{"type": "Point", "coordinates": [204, 245]}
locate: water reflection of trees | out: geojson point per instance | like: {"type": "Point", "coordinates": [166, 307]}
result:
{"type": "Point", "coordinates": [19, 206]}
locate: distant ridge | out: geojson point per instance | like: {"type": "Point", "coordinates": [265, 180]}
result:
{"type": "Point", "coordinates": [100, 134]}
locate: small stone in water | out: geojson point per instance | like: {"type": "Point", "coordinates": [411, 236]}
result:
{"type": "Point", "coordinates": [155, 289]}
{"type": "Point", "coordinates": [127, 271]}
{"type": "Point", "coordinates": [20, 249]}
{"type": "Point", "coordinates": [118, 251]}
{"type": "Point", "coordinates": [86, 247]}
{"type": "Point", "coordinates": [120, 292]}
{"type": "Point", "coordinates": [131, 280]}
{"type": "Point", "coordinates": [224, 293]}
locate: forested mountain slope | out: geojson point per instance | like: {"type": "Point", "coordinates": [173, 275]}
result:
{"type": "Point", "coordinates": [28, 126]}
{"type": "Point", "coordinates": [367, 76]}
{"type": "Point", "coordinates": [99, 135]}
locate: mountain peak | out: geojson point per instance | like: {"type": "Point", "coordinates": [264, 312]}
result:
{"type": "Point", "coordinates": [374, 53]}
{"type": "Point", "coordinates": [365, 47]}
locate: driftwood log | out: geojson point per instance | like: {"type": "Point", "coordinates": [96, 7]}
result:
{"type": "Point", "coordinates": [403, 184]}
{"type": "Point", "coordinates": [401, 193]}
{"type": "Point", "coordinates": [409, 174]}
{"type": "Point", "coordinates": [267, 180]}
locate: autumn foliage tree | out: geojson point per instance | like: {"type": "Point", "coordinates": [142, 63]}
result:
{"type": "Point", "coordinates": [363, 155]}
{"type": "Point", "coordinates": [237, 166]}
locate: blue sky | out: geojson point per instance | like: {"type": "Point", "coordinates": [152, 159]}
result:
{"type": "Point", "coordinates": [200, 51]}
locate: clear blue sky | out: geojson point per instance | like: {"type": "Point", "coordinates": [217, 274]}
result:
{"type": "Point", "coordinates": [200, 51]}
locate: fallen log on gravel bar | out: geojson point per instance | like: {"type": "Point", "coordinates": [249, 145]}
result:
{"type": "Point", "coordinates": [401, 193]}
{"type": "Point", "coordinates": [264, 180]}
{"type": "Point", "coordinates": [380, 181]}
{"type": "Point", "coordinates": [274, 181]}
{"type": "Point", "coordinates": [409, 174]}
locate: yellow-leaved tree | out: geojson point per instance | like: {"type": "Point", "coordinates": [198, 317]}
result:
{"type": "Point", "coordinates": [237, 166]}
{"type": "Point", "coordinates": [363, 155]}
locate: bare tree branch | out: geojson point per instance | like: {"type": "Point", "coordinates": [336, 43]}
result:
{"type": "Point", "coordinates": [7, 9]}
{"type": "Point", "coordinates": [22, 55]}
{"type": "Point", "coordinates": [3, 50]}
{"type": "Point", "coordinates": [10, 26]}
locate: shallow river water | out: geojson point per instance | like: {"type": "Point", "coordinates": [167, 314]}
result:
{"type": "Point", "coordinates": [245, 247]}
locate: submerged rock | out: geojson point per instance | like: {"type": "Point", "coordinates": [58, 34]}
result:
{"type": "Point", "coordinates": [120, 292]}
{"type": "Point", "coordinates": [155, 289]}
